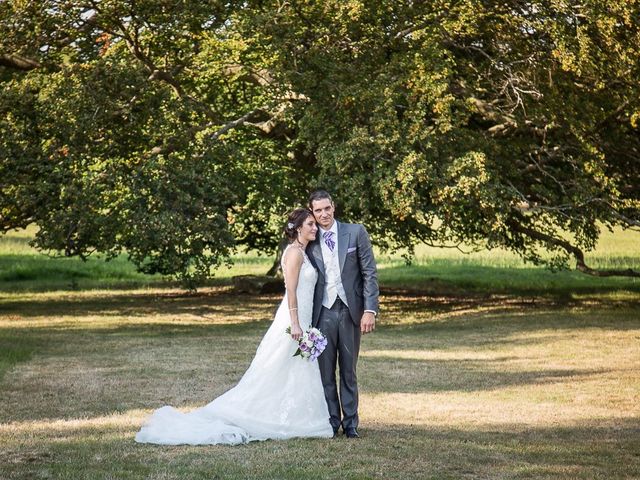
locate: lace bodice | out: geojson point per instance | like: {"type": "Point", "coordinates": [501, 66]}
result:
{"type": "Point", "coordinates": [305, 289]}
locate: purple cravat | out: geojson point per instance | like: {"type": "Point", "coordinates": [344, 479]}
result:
{"type": "Point", "coordinates": [328, 239]}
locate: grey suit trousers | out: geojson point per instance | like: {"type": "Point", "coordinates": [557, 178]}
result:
{"type": "Point", "coordinates": [343, 345]}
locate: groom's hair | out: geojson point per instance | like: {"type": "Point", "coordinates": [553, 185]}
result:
{"type": "Point", "coordinates": [319, 195]}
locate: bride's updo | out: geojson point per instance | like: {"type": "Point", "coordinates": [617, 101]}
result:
{"type": "Point", "coordinates": [294, 222]}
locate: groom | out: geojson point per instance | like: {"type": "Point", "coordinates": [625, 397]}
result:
{"type": "Point", "coordinates": [345, 305]}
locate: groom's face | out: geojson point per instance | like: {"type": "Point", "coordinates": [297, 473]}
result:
{"type": "Point", "coordinates": [323, 210]}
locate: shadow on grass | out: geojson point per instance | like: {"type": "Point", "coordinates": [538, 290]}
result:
{"type": "Point", "coordinates": [15, 348]}
{"type": "Point", "coordinates": [480, 322]}
{"type": "Point", "coordinates": [383, 375]}
{"type": "Point", "coordinates": [432, 324]}
{"type": "Point", "coordinates": [455, 277]}
{"type": "Point", "coordinates": [587, 450]}
{"type": "Point", "coordinates": [378, 374]}
{"type": "Point", "coordinates": [212, 303]}
{"type": "Point", "coordinates": [162, 350]}
{"type": "Point", "coordinates": [103, 357]}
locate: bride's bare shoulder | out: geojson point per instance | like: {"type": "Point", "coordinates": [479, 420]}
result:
{"type": "Point", "coordinates": [292, 253]}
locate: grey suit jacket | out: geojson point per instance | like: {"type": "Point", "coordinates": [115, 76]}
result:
{"type": "Point", "coordinates": [357, 269]}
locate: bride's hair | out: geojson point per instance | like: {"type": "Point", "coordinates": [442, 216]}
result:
{"type": "Point", "coordinates": [295, 221]}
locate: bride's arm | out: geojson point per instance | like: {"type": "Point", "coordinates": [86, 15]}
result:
{"type": "Point", "coordinates": [292, 264]}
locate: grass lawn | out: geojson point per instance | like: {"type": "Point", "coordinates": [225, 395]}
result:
{"type": "Point", "coordinates": [433, 270]}
{"type": "Point", "coordinates": [506, 376]}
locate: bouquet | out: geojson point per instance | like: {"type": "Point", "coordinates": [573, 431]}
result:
{"type": "Point", "coordinates": [311, 345]}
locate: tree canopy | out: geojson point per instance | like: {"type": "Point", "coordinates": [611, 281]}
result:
{"type": "Point", "coordinates": [175, 130]}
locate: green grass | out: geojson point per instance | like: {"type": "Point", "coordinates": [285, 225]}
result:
{"type": "Point", "coordinates": [467, 277]}
{"type": "Point", "coordinates": [13, 349]}
{"type": "Point", "coordinates": [499, 271]}
{"type": "Point", "coordinates": [24, 268]}
{"type": "Point", "coordinates": [434, 270]}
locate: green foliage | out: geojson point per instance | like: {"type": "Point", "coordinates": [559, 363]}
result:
{"type": "Point", "coordinates": [14, 349]}
{"type": "Point", "coordinates": [507, 125]}
{"type": "Point", "coordinates": [103, 158]}
{"type": "Point", "coordinates": [177, 130]}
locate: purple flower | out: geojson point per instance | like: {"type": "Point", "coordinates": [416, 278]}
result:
{"type": "Point", "coordinates": [311, 345]}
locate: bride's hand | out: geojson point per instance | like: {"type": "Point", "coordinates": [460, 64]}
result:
{"type": "Point", "coordinates": [296, 332]}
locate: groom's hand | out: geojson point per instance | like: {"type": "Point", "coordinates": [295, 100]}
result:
{"type": "Point", "coordinates": [368, 322]}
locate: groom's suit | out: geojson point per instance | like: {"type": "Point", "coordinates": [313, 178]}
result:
{"type": "Point", "coordinates": [339, 320]}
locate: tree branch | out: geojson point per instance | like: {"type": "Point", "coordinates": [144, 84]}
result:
{"type": "Point", "coordinates": [235, 123]}
{"type": "Point", "coordinates": [409, 30]}
{"type": "Point", "coordinates": [132, 39]}
{"type": "Point", "coordinates": [261, 77]}
{"type": "Point", "coordinates": [173, 143]}
{"type": "Point", "coordinates": [573, 250]}
{"type": "Point", "coordinates": [18, 62]}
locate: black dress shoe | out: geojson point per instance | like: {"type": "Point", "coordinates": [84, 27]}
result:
{"type": "Point", "coordinates": [351, 433]}
{"type": "Point", "coordinates": [336, 431]}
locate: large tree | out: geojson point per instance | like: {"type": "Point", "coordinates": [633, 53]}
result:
{"type": "Point", "coordinates": [177, 129]}
{"type": "Point", "coordinates": [120, 131]}
{"type": "Point", "coordinates": [508, 124]}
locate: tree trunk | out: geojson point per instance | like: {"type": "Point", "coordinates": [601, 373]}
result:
{"type": "Point", "coordinates": [276, 268]}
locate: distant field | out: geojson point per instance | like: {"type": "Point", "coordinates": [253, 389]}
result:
{"type": "Point", "coordinates": [437, 270]}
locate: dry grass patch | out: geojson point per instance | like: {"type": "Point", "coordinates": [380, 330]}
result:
{"type": "Point", "coordinates": [486, 387]}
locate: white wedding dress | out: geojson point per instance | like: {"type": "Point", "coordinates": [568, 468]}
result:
{"type": "Point", "coordinates": [278, 397]}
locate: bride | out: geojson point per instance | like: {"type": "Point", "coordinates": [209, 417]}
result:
{"type": "Point", "coordinates": [280, 396]}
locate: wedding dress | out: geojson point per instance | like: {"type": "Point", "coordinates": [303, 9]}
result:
{"type": "Point", "coordinates": [278, 397]}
